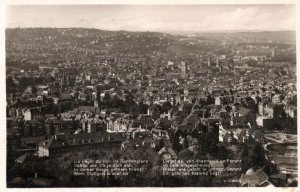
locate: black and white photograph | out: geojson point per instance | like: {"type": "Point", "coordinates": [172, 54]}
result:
{"type": "Point", "coordinates": [150, 95]}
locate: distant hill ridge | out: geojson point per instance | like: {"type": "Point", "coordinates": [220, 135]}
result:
{"type": "Point", "coordinates": [282, 36]}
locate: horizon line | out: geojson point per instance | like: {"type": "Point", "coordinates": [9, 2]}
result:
{"type": "Point", "coordinates": [162, 31]}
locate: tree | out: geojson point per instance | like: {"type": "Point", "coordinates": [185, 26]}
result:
{"type": "Point", "coordinates": [116, 102]}
{"type": "Point", "coordinates": [142, 108]}
{"type": "Point", "coordinates": [166, 106]}
{"type": "Point", "coordinates": [160, 145]}
{"type": "Point", "coordinates": [206, 114]}
{"type": "Point", "coordinates": [10, 82]}
{"type": "Point", "coordinates": [106, 99]}
{"type": "Point", "coordinates": [228, 108]}
{"type": "Point", "coordinates": [129, 102]}
{"type": "Point", "coordinates": [175, 144]}
{"type": "Point", "coordinates": [66, 106]}
{"type": "Point", "coordinates": [186, 154]}
{"type": "Point", "coordinates": [185, 143]}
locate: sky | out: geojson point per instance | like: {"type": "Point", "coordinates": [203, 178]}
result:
{"type": "Point", "coordinates": [161, 18]}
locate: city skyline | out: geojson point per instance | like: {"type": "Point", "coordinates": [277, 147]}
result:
{"type": "Point", "coordinates": [174, 107]}
{"type": "Point", "coordinates": [160, 18]}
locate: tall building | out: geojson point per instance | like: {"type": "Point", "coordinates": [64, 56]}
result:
{"type": "Point", "coordinates": [218, 62]}
{"type": "Point", "coordinates": [273, 52]}
{"type": "Point", "coordinates": [183, 69]}
{"type": "Point", "coordinates": [208, 61]}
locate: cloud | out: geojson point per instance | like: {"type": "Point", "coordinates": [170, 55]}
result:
{"type": "Point", "coordinates": [156, 17]}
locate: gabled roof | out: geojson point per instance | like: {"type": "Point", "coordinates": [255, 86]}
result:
{"type": "Point", "coordinates": [41, 182]}
{"type": "Point", "coordinates": [170, 151]}
{"type": "Point", "coordinates": [18, 181]}
{"type": "Point", "coordinates": [96, 137]}
{"type": "Point", "coordinates": [114, 116]}
{"type": "Point", "coordinates": [239, 131]}
{"type": "Point", "coordinates": [33, 122]}
{"type": "Point", "coordinates": [21, 159]}
{"type": "Point", "coordinates": [191, 119]}
{"type": "Point", "coordinates": [66, 96]}
{"type": "Point", "coordinates": [245, 112]}
{"type": "Point", "coordinates": [185, 128]}
{"type": "Point", "coordinates": [254, 179]}
{"type": "Point", "coordinates": [173, 110]}
{"type": "Point", "coordinates": [54, 121]}
{"type": "Point", "coordinates": [91, 109]}
{"type": "Point", "coordinates": [46, 143]}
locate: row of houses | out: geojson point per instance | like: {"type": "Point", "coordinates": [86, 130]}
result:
{"type": "Point", "coordinates": [58, 144]}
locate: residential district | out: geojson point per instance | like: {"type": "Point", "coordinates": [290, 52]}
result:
{"type": "Point", "coordinates": [86, 93]}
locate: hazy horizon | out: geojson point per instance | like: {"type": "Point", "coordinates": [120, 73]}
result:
{"type": "Point", "coordinates": [156, 18]}
{"type": "Point", "coordinates": [169, 32]}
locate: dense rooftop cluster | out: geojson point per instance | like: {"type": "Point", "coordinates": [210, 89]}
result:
{"type": "Point", "coordinates": [72, 90]}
